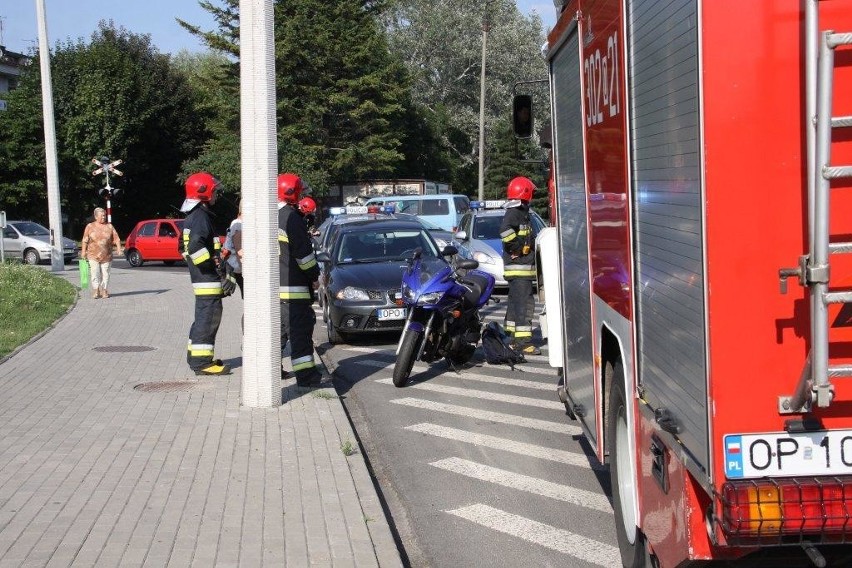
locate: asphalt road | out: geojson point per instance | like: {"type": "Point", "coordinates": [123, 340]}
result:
{"type": "Point", "coordinates": [479, 468]}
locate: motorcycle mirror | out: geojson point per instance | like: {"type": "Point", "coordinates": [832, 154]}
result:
{"type": "Point", "coordinates": [449, 250]}
{"type": "Point", "coordinates": [467, 264]}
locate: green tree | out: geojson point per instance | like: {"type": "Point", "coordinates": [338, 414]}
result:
{"type": "Point", "coordinates": [115, 96]}
{"type": "Point", "coordinates": [506, 159]}
{"type": "Point", "coordinates": [440, 43]}
{"type": "Point", "coordinates": [342, 98]}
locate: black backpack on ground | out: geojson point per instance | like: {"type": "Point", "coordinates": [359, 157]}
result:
{"type": "Point", "coordinates": [495, 345]}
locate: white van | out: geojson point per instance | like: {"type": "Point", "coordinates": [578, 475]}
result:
{"type": "Point", "coordinates": [443, 210]}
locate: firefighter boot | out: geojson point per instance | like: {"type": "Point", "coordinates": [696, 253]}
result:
{"type": "Point", "coordinates": [216, 367]}
{"type": "Point", "coordinates": [528, 349]}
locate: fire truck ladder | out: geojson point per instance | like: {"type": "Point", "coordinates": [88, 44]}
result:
{"type": "Point", "coordinates": [815, 385]}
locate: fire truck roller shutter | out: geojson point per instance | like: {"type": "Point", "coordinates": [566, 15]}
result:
{"type": "Point", "coordinates": [579, 365]}
{"type": "Point", "coordinates": [669, 224]}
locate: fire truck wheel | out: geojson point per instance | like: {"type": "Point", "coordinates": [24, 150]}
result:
{"type": "Point", "coordinates": [631, 542]}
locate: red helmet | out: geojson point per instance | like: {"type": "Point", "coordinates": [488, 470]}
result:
{"type": "Point", "coordinates": [200, 188]}
{"type": "Point", "coordinates": [290, 187]}
{"type": "Point", "coordinates": [520, 188]}
{"type": "Point", "coordinates": [307, 206]}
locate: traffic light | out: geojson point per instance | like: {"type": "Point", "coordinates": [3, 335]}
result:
{"type": "Point", "coordinates": [522, 117]}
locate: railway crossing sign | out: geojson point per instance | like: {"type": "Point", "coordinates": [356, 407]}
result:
{"type": "Point", "coordinates": [106, 166]}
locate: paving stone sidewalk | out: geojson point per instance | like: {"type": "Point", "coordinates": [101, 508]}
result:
{"type": "Point", "coordinates": [112, 453]}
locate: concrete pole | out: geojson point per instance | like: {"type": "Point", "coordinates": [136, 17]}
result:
{"type": "Point", "coordinates": [261, 385]}
{"type": "Point", "coordinates": [481, 193]}
{"type": "Point", "coordinates": [54, 207]}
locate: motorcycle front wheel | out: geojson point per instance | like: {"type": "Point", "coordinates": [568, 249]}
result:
{"type": "Point", "coordinates": [405, 358]}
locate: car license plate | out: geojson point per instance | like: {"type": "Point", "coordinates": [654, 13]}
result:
{"type": "Point", "coordinates": [391, 314]}
{"type": "Point", "coordinates": [782, 454]}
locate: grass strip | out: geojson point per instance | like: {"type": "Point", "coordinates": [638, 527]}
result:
{"type": "Point", "coordinates": [31, 299]}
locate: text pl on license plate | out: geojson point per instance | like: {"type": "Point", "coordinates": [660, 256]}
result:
{"type": "Point", "coordinates": [392, 313]}
{"type": "Point", "coordinates": [783, 454]}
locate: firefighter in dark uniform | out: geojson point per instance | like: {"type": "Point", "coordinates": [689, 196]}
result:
{"type": "Point", "coordinates": [519, 264]}
{"type": "Point", "coordinates": [299, 273]}
{"type": "Point", "coordinates": [200, 248]}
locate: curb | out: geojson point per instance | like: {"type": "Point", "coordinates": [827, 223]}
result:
{"type": "Point", "coordinates": [380, 531]}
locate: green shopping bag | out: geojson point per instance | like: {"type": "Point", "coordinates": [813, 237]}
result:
{"type": "Point", "coordinates": [84, 273]}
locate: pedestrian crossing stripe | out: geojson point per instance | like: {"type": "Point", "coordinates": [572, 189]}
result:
{"type": "Point", "coordinates": [507, 445]}
{"type": "Point", "coordinates": [522, 383]}
{"type": "Point", "coordinates": [559, 540]}
{"type": "Point", "coordinates": [520, 482]}
{"type": "Point", "coordinates": [484, 395]}
{"type": "Point", "coordinates": [490, 416]}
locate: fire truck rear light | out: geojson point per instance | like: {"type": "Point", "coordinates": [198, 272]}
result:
{"type": "Point", "coordinates": [787, 507]}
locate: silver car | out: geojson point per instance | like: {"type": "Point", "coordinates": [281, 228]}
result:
{"type": "Point", "coordinates": [479, 237]}
{"type": "Point", "coordinates": [30, 242]}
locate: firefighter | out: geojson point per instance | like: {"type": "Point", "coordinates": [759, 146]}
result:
{"type": "Point", "coordinates": [299, 273]}
{"type": "Point", "coordinates": [519, 264]}
{"type": "Point", "coordinates": [308, 207]}
{"type": "Point", "coordinates": [200, 249]}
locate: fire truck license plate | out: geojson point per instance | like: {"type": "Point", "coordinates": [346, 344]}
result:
{"type": "Point", "coordinates": [822, 452]}
{"type": "Point", "coordinates": [391, 314]}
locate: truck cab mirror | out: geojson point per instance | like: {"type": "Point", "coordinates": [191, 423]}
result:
{"type": "Point", "coordinates": [522, 117]}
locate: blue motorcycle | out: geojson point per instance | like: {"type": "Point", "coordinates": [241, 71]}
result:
{"type": "Point", "coordinates": [443, 313]}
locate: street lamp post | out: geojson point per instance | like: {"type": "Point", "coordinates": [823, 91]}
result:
{"type": "Point", "coordinates": [54, 206]}
{"type": "Point", "coordinates": [485, 26]}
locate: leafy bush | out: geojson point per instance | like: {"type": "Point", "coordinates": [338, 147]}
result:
{"type": "Point", "coordinates": [31, 299]}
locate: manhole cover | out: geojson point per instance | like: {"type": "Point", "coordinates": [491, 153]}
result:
{"type": "Point", "coordinates": [123, 348]}
{"type": "Point", "coordinates": [172, 386]}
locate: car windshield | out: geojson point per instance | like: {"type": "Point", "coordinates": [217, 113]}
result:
{"type": "Point", "coordinates": [487, 227]}
{"type": "Point", "coordinates": [377, 245]}
{"type": "Point", "coordinates": [428, 225]}
{"type": "Point", "coordinates": [30, 229]}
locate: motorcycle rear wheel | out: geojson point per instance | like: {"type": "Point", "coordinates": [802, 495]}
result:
{"type": "Point", "coordinates": [405, 358]}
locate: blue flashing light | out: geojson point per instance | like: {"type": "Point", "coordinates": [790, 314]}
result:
{"type": "Point", "coordinates": [337, 211]}
{"type": "Point", "coordinates": [477, 204]}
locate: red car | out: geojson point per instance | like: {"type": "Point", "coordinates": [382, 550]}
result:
{"type": "Point", "coordinates": [154, 239]}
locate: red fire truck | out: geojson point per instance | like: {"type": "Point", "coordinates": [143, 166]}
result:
{"type": "Point", "coordinates": [702, 155]}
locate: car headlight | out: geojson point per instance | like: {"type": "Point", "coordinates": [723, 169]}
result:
{"type": "Point", "coordinates": [484, 258]}
{"type": "Point", "coordinates": [430, 298]}
{"type": "Point", "coordinates": [352, 293]}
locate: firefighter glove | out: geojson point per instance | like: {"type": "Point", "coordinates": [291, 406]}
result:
{"type": "Point", "coordinates": [229, 283]}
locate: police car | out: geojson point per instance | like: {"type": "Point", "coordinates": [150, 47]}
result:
{"type": "Point", "coordinates": [478, 236]}
{"type": "Point", "coordinates": [339, 215]}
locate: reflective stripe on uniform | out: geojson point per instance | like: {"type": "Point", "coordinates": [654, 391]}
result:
{"type": "Point", "coordinates": [303, 363]}
{"type": "Point", "coordinates": [294, 293]}
{"type": "Point", "coordinates": [282, 236]}
{"type": "Point", "coordinates": [308, 262]}
{"type": "Point", "coordinates": [207, 288]}
{"type": "Point", "coordinates": [186, 241]}
{"type": "Point", "coordinates": [508, 235]}
{"type": "Point", "coordinates": [200, 256]}
{"type": "Point", "coordinates": [518, 270]}
{"type": "Point", "coordinates": [199, 349]}
{"type": "Point", "coordinates": [523, 331]}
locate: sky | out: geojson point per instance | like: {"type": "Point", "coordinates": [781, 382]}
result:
{"type": "Point", "coordinates": [73, 19]}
